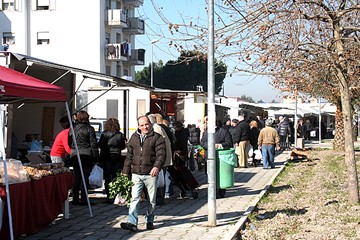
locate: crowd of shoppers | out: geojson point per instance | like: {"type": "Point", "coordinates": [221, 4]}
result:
{"type": "Point", "coordinates": [156, 146]}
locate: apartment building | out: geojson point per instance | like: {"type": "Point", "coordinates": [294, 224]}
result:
{"type": "Point", "coordinates": [96, 35]}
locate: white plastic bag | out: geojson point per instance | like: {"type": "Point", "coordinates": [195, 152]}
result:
{"type": "Point", "coordinates": [237, 150]}
{"type": "Point", "coordinates": [119, 200]}
{"type": "Point", "coordinates": [258, 155]}
{"type": "Point", "coordinates": [96, 177]}
{"type": "Point", "coordinates": [161, 179]}
{"type": "Point", "coordinates": [251, 151]}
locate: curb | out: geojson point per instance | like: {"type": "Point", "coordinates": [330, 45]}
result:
{"type": "Point", "coordinates": [253, 204]}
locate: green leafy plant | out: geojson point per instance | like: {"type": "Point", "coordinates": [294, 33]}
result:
{"type": "Point", "coordinates": [122, 185]}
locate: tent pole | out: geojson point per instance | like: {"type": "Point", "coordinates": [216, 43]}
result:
{"type": "Point", "coordinates": [2, 143]}
{"type": "Point", "coordinates": [78, 156]}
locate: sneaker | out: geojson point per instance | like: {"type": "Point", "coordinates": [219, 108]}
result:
{"type": "Point", "coordinates": [150, 226]}
{"type": "Point", "coordinates": [128, 226]}
{"type": "Point", "coordinates": [167, 195]}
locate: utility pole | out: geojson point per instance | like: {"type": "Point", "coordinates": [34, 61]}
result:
{"type": "Point", "coordinates": [211, 161]}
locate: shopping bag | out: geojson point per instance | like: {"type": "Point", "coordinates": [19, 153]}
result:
{"type": "Point", "coordinates": [237, 150]}
{"type": "Point", "coordinates": [251, 151]}
{"type": "Point", "coordinates": [161, 179]}
{"type": "Point", "coordinates": [96, 177]}
{"type": "Point", "coordinates": [119, 200]}
{"type": "Point", "coordinates": [258, 155]}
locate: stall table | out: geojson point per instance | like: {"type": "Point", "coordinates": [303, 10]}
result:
{"type": "Point", "coordinates": [35, 204]}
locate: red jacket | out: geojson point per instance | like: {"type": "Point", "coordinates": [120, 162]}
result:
{"type": "Point", "coordinates": [61, 144]}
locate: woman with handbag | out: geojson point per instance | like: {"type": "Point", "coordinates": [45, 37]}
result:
{"type": "Point", "coordinates": [111, 143]}
{"type": "Point", "coordinates": [88, 151]}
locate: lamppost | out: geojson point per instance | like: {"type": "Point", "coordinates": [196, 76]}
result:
{"type": "Point", "coordinates": [152, 62]}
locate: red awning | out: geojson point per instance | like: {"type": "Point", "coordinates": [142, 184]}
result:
{"type": "Point", "coordinates": [14, 84]}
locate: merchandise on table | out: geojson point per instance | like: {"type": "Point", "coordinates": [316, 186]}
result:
{"type": "Point", "coordinates": [18, 172]}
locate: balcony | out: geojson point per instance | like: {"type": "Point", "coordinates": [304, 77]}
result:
{"type": "Point", "coordinates": [137, 57]}
{"type": "Point", "coordinates": [135, 26]}
{"type": "Point", "coordinates": [134, 3]}
{"type": "Point", "coordinates": [117, 17]}
{"type": "Point", "coordinates": [123, 52]}
{"type": "Point", "coordinates": [116, 52]}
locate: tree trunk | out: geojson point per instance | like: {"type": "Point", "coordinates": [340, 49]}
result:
{"type": "Point", "coordinates": [340, 71]}
{"type": "Point", "coordinates": [350, 160]}
{"type": "Point", "coordinates": [339, 140]}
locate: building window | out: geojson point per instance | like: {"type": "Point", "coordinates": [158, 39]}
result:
{"type": "Point", "coordinates": [43, 4]}
{"type": "Point", "coordinates": [118, 70]}
{"type": "Point", "coordinates": [43, 38]}
{"type": "Point", "coordinates": [8, 38]}
{"type": "Point", "coordinates": [118, 38]}
{"type": "Point", "coordinates": [108, 70]}
{"type": "Point", "coordinates": [7, 5]}
{"type": "Point", "coordinates": [107, 38]}
{"type": "Point", "coordinates": [126, 72]}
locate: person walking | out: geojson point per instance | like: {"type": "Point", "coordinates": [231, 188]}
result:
{"type": "Point", "coordinates": [88, 151]}
{"type": "Point", "coordinates": [301, 129]}
{"type": "Point", "coordinates": [268, 141]}
{"type": "Point", "coordinates": [111, 143]}
{"type": "Point", "coordinates": [241, 139]}
{"type": "Point", "coordinates": [146, 153]}
{"type": "Point", "coordinates": [254, 135]}
{"type": "Point", "coordinates": [234, 123]}
{"type": "Point", "coordinates": [157, 123]}
{"type": "Point", "coordinates": [181, 144]}
{"type": "Point", "coordinates": [223, 140]}
{"type": "Point", "coordinates": [60, 149]}
{"type": "Point", "coordinates": [284, 132]}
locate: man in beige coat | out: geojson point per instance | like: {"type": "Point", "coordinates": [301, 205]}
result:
{"type": "Point", "coordinates": [156, 120]}
{"type": "Point", "coordinates": [268, 140]}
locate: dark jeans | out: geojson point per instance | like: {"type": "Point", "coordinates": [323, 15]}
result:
{"type": "Point", "coordinates": [111, 168]}
{"type": "Point", "coordinates": [87, 164]}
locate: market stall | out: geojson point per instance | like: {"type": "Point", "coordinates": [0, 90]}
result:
{"type": "Point", "coordinates": [35, 204]}
{"type": "Point", "coordinates": [19, 87]}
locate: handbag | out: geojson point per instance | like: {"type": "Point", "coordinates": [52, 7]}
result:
{"type": "Point", "coordinates": [96, 177]}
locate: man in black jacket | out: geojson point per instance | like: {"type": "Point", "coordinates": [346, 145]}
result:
{"type": "Point", "coordinates": [241, 139]}
{"type": "Point", "coordinates": [145, 157]}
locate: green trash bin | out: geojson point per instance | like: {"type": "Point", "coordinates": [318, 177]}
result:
{"type": "Point", "coordinates": [226, 160]}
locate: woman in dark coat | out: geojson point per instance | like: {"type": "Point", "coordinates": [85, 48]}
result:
{"type": "Point", "coordinates": [111, 143]}
{"type": "Point", "coordinates": [223, 139]}
{"type": "Point", "coordinates": [88, 151]}
{"type": "Point", "coordinates": [254, 135]}
{"type": "Point", "coordinates": [181, 144]}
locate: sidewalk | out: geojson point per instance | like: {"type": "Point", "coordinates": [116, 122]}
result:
{"type": "Point", "coordinates": [177, 219]}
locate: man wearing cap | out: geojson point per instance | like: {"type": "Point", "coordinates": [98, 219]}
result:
{"type": "Point", "coordinates": [268, 140]}
{"type": "Point", "coordinates": [234, 123]}
{"type": "Point", "coordinates": [241, 140]}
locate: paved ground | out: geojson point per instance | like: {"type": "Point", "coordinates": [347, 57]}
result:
{"type": "Point", "coordinates": [178, 218]}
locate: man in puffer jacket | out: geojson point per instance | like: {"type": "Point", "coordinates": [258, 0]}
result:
{"type": "Point", "coordinates": [146, 155]}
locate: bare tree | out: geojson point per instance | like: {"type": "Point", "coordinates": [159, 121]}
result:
{"type": "Point", "coordinates": [305, 46]}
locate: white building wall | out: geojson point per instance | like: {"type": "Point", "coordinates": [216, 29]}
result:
{"type": "Point", "coordinates": [98, 108]}
{"type": "Point", "coordinates": [77, 30]}
{"type": "Point", "coordinates": [193, 111]}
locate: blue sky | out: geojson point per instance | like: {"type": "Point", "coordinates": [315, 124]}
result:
{"type": "Point", "coordinates": [176, 11]}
